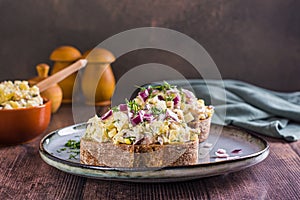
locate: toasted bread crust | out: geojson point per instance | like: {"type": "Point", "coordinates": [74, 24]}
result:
{"type": "Point", "coordinates": [122, 155]}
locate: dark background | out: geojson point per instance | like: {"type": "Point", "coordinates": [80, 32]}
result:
{"type": "Point", "coordinates": [255, 41]}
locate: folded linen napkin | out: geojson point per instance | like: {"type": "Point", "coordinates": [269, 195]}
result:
{"type": "Point", "coordinates": [267, 112]}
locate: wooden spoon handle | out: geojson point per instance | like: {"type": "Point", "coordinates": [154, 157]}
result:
{"type": "Point", "coordinates": [62, 74]}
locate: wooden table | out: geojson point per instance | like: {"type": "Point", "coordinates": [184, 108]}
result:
{"type": "Point", "coordinates": [24, 175]}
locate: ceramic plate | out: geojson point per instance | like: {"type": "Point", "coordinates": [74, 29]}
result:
{"type": "Point", "coordinates": [243, 149]}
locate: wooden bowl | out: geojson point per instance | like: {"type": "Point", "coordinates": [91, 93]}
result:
{"type": "Point", "coordinates": [23, 124]}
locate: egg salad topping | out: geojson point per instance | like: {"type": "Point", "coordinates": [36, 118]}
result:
{"type": "Point", "coordinates": [157, 115]}
{"type": "Point", "coordinates": [19, 94]}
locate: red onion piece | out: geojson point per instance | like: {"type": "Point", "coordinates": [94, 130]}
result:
{"type": "Point", "coordinates": [144, 94]}
{"type": "Point", "coordinates": [148, 117]}
{"type": "Point", "coordinates": [236, 151]}
{"type": "Point", "coordinates": [172, 115]}
{"type": "Point", "coordinates": [107, 115]}
{"type": "Point", "coordinates": [176, 100]}
{"type": "Point", "coordinates": [137, 119]}
{"type": "Point", "coordinates": [123, 107]}
{"type": "Point", "coordinates": [160, 97]}
{"type": "Point", "coordinates": [221, 153]}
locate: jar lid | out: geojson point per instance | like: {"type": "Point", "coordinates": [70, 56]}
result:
{"type": "Point", "coordinates": [99, 55]}
{"type": "Point", "coordinates": [65, 53]}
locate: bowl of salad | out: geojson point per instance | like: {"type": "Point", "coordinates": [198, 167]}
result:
{"type": "Point", "coordinates": [24, 114]}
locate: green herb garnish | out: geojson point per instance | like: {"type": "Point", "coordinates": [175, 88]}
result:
{"type": "Point", "coordinates": [165, 86]}
{"type": "Point", "coordinates": [133, 106]}
{"type": "Point", "coordinates": [61, 149]}
{"type": "Point", "coordinates": [73, 156]}
{"type": "Point", "coordinates": [75, 148]}
{"type": "Point", "coordinates": [141, 88]}
{"type": "Point", "coordinates": [156, 111]}
{"type": "Point", "coordinates": [73, 144]}
{"type": "Point", "coordinates": [170, 97]}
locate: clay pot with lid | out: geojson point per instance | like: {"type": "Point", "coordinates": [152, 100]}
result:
{"type": "Point", "coordinates": [54, 93]}
{"type": "Point", "coordinates": [98, 81]}
{"type": "Point", "coordinates": [64, 56]}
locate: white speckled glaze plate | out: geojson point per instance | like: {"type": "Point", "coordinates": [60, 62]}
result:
{"type": "Point", "coordinates": [243, 149]}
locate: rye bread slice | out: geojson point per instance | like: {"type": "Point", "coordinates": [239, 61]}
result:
{"type": "Point", "coordinates": [140, 156]}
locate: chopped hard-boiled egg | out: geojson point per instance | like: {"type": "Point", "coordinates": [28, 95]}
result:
{"type": "Point", "coordinates": [19, 94]}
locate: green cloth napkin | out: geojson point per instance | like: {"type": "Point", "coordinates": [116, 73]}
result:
{"type": "Point", "coordinates": [267, 112]}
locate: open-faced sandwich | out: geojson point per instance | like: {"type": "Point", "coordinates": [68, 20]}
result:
{"type": "Point", "coordinates": [161, 126]}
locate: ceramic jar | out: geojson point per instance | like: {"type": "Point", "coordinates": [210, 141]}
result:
{"type": "Point", "coordinates": [64, 56]}
{"type": "Point", "coordinates": [98, 81]}
{"type": "Point", "coordinates": [54, 93]}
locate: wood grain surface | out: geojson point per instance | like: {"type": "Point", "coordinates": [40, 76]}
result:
{"type": "Point", "coordinates": [24, 175]}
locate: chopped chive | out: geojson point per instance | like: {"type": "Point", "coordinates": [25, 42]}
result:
{"type": "Point", "coordinates": [61, 149]}
{"type": "Point", "coordinates": [73, 144]}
